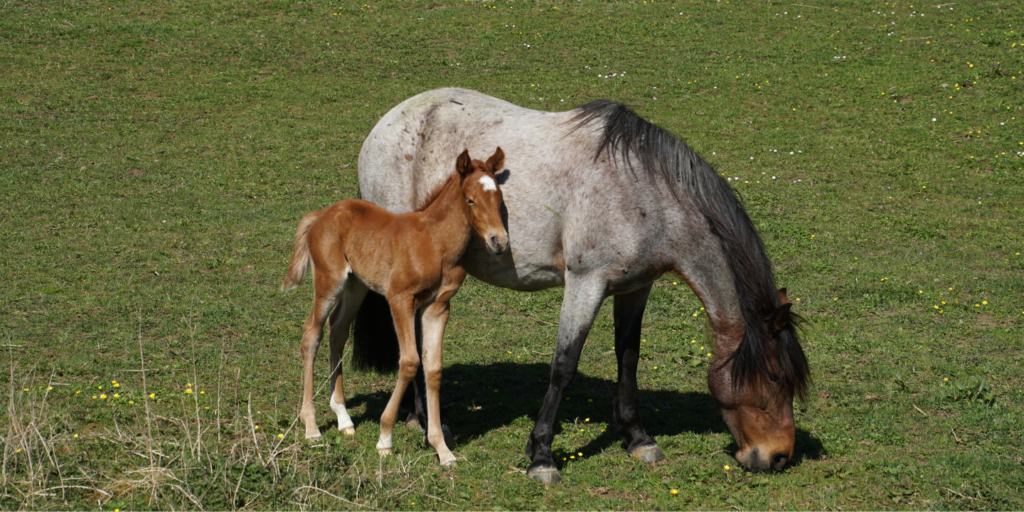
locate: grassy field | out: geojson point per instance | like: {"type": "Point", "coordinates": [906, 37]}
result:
{"type": "Point", "coordinates": [155, 159]}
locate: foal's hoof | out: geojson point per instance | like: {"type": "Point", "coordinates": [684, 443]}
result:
{"type": "Point", "coordinates": [313, 434]}
{"type": "Point", "coordinates": [649, 454]}
{"type": "Point", "coordinates": [449, 440]}
{"type": "Point", "coordinates": [349, 431]}
{"type": "Point", "coordinates": [414, 424]}
{"type": "Point", "coordinates": [383, 452]}
{"type": "Point", "coordinates": [544, 474]}
{"type": "Point", "coordinates": [448, 461]}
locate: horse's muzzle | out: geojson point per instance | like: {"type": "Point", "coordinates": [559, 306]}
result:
{"type": "Point", "coordinates": [497, 243]}
{"type": "Point", "coordinates": [756, 461]}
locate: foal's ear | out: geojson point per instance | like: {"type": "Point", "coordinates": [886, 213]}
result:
{"type": "Point", "coordinates": [782, 296]}
{"type": "Point", "coordinates": [779, 318]}
{"type": "Point", "coordinates": [496, 161]}
{"type": "Point", "coordinates": [464, 164]}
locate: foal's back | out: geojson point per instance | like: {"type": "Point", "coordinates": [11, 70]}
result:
{"type": "Point", "coordinates": [372, 241]}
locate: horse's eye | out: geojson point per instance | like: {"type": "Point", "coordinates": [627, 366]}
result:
{"type": "Point", "coordinates": [772, 377]}
{"type": "Point", "coordinates": [470, 201]}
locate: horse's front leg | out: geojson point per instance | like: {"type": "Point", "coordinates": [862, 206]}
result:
{"type": "Point", "coordinates": [582, 301]}
{"type": "Point", "coordinates": [403, 312]}
{"type": "Point", "coordinates": [629, 313]}
{"type": "Point", "coordinates": [435, 317]}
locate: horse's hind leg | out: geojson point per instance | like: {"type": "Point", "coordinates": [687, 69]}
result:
{"type": "Point", "coordinates": [629, 312]}
{"type": "Point", "coordinates": [404, 314]}
{"type": "Point", "coordinates": [312, 330]}
{"type": "Point", "coordinates": [352, 294]}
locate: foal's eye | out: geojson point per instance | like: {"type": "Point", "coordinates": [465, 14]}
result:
{"type": "Point", "coordinates": [772, 377]}
{"type": "Point", "coordinates": [471, 202]}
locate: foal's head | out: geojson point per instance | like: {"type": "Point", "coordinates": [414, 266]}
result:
{"type": "Point", "coordinates": [483, 196]}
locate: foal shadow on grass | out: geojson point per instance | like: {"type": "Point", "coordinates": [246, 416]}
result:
{"type": "Point", "coordinates": [479, 399]}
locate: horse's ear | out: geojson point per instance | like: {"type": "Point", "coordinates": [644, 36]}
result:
{"type": "Point", "coordinates": [464, 164]}
{"type": "Point", "coordinates": [496, 161]}
{"type": "Point", "coordinates": [782, 296]}
{"type": "Point", "coordinates": [779, 318]}
{"type": "Point", "coordinates": [502, 177]}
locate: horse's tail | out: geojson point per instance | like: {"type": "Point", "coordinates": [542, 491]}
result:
{"type": "Point", "coordinates": [375, 342]}
{"type": "Point", "coordinates": [301, 261]}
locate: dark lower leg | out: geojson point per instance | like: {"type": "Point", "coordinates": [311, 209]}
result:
{"type": "Point", "coordinates": [579, 307]}
{"type": "Point", "coordinates": [629, 312]}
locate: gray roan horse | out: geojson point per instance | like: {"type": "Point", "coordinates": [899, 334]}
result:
{"type": "Point", "coordinates": [602, 202]}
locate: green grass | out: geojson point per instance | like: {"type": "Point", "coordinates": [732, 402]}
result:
{"type": "Point", "coordinates": [155, 158]}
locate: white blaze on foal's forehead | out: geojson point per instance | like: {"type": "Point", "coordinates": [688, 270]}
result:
{"type": "Point", "coordinates": [488, 183]}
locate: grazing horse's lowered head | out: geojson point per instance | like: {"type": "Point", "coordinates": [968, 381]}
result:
{"type": "Point", "coordinates": [755, 386]}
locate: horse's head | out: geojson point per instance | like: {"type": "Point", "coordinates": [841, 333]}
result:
{"type": "Point", "coordinates": [483, 195]}
{"type": "Point", "coordinates": [755, 388]}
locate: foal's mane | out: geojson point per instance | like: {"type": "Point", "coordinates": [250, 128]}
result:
{"type": "Point", "coordinates": [435, 193]}
{"type": "Point", "coordinates": [664, 157]}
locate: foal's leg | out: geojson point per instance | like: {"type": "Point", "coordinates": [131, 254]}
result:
{"type": "Point", "coordinates": [583, 297]}
{"type": "Point", "coordinates": [416, 402]}
{"type": "Point", "coordinates": [404, 314]}
{"type": "Point", "coordinates": [324, 298]}
{"type": "Point", "coordinates": [352, 295]}
{"type": "Point", "coordinates": [435, 317]}
{"type": "Point", "coordinates": [629, 312]}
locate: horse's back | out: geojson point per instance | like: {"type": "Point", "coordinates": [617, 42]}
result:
{"type": "Point", "coordinates": [566, 205]}
{"type": "Point", "coordinates": [412, 149]}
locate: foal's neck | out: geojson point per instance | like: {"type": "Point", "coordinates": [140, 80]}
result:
{"type": "Point", "coordinates": [448, 217]}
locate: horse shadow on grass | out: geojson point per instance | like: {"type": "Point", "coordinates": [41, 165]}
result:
{"type": "Point", "coordinates": [479, 399]}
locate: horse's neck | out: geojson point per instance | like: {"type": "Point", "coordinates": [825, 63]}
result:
{"type": "Point", "coordinates": [447, 217]}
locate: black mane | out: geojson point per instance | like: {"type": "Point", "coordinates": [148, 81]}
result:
{"type": "Point", "coordinates": [663, 156]}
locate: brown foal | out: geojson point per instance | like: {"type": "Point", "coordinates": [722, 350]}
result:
{"type": "Point", "coordinates": [414, 260]}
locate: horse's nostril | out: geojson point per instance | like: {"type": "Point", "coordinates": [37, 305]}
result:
{"type": "Point", "coordinates": [779, 460]}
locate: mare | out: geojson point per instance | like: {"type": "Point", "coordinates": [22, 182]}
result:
{"type": "Point", "coordinates": [603, 202]}
{"type": "Point", "coordinates": [414, 260]}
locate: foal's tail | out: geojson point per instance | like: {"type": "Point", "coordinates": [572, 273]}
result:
{"type": "Point", "coordinates": [301, 261]}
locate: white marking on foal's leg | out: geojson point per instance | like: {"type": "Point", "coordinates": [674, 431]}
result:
{"type": "Point", "coordinates": [384, 445]}
{"type": "Point", "coordinates": [345, 424]}
{"type": "Point", "coordinates": [488, 183]}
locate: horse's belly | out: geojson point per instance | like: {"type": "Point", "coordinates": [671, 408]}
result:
{"type": "Point", "coordinates": [522, 268]}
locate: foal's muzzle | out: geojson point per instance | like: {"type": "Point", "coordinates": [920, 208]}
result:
{"type": "Point", "coordinates": [497, 243]}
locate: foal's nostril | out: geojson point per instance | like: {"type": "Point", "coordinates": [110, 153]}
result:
{"type": "Point", "coordinates": [779, 460]}
{"type": "Point", "coordinates": [494, 241]}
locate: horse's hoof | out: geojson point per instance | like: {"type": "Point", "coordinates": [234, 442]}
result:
{"type": "Point", "coordinates": [448, 461]}
{"type": "Point", "coordinates": [544, 474]}
{"type": "Point", "coordinates": [313, 434]}
{"type": "Point", "coordinates": [649, 454]}
{"type": "Point", "coordinates": [383, 451]}
{"type": "Point", "coordinates": [349, 431]}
